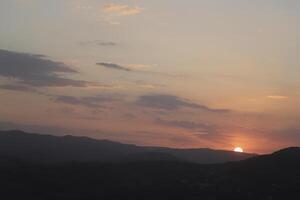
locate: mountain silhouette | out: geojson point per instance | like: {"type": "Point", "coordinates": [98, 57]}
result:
{"type": "Point", "coordinates": [273, 176]}
{"type": "Point", "coordinates": [262, 178]}
{"type": "Point", "coordinates": [47, 148]}
{"type": "Point", "coordinates": [140, 175]}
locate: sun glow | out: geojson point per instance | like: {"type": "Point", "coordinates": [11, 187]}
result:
{"type": "Point", "coordinates": [238, 149]}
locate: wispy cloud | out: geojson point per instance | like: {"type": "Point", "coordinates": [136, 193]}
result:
{"type": "Point", "coordinates": [121, 10]}
{"type": "Point", "coordinates": [126, 67]}
{"type": "Point", "coordinates": [199, 128]}
{"type": "Point", "coordinates": [277, 97]}
{"type": "Point", "coordinates": [14, 87]}
{"type": "Point", "coordinates": [139, 68]}
{"type": "Point", "coordinates": [96, 101]}
{"type": "Point", "coordinates": [98, 43]}
{"type": "Point", "coordinates": [114, 66]}
{"type": "Point", "coordinates": [147, 85]}
{"type": "Point", "coordinates": [171, 102]}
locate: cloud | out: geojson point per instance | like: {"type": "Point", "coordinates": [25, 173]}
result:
{"type": "Point", "coordinates": [127, 67]}
{"type": "Point", "coordinates": [167, 102]}
{"type": "Point", "coordinates": [36, 70]}
{"type": "Point", "coordinates": [98, 43]}
{"type": "Point", "coordinates": [89, 101]}
{"type": "Point", "coordinates": [139, 68]}
{"type": "Point", "coordinates": [206, 132]}
{"type": "Point", "coordinates": [277, 97]}
{"type": "Point", "coordinates": [114, 66]}
{"type": "Point", "coordinates": [170, 102]}
{"type": "Point", "coordinates": [121, 10]}
{"type": "Point", "coordinates": [200, 128]}
{"type": "Point", "coordinates": [144, 84]}
{"type": "Point", "coordinates": [16, 88]}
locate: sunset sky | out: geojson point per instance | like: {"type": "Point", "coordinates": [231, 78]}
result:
{"type": "Point", "coordinates": [176, 73]}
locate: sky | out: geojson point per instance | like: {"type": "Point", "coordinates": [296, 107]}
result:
{"type": "Point", "coordinates": [174, 73]}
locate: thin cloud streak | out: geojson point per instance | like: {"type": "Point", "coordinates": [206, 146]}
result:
{"type": "Point", "coordinates": [277, 97]}
{"type": "Point", "coordinates": [171, 102]}
{"type": "Point", "coordinates": [138, 68]}
{"type": "Point", "coordinates": [96, 101]}
{"type": "Point", "coordinates": [98, 43]}
{"type": "Point", "coordinates": [114, 66]}
{"type": "Point", "coordinates": [200, 128]}
{"type": "Point", "coordinates": [13, 87]}
{"type": "Point", "coordinates": [122, 10]}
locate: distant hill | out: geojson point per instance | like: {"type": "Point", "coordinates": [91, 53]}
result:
{"type": "Point", "coordinates": [275, 176]}
{"type": "Point", "coordinates": [47, 148]}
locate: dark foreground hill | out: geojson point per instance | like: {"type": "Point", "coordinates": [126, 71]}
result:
{"type": "Point", "coordinates": [46, 148]}
{"type": "Point", "coordinates": [275, 176]}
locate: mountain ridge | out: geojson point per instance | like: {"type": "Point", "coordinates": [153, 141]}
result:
{"type": "Point", "coordinates": [49, 148]}
{"type": "Point", "coordinates": [253, 178]}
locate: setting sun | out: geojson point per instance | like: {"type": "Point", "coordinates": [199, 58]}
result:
{"type": "Point", "coordinates": [238, 149]}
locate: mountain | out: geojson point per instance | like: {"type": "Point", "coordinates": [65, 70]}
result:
{"type": "Point", "coordinates": [275, 176]}
{"type": "Point", "coordinates": [47, 148]}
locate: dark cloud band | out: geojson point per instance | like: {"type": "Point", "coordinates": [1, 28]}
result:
{"type": "Point", "coordinates": [36, 70]}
